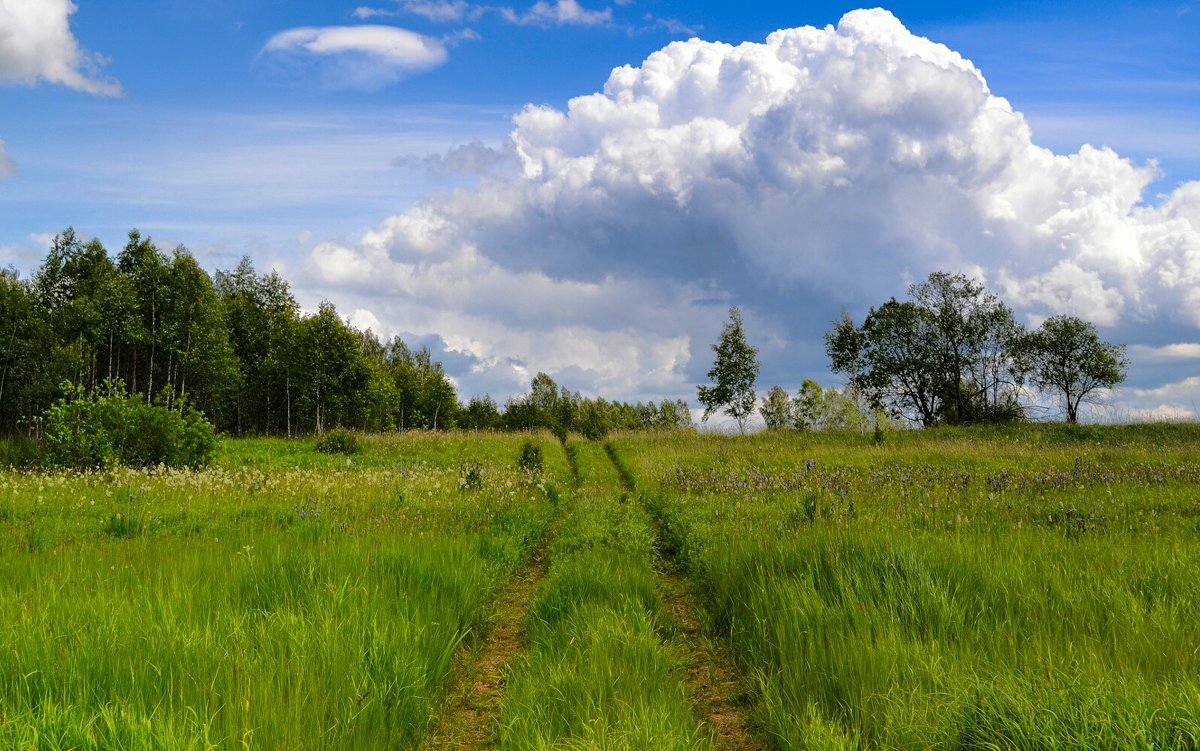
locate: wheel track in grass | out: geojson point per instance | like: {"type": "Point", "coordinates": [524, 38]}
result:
{"type": "Point", "coordinates": [717, 688]}
{"type": "Point", "coordinates": [471, 711]}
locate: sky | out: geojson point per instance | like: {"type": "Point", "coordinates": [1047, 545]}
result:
{"type": "Point", "coordinates": [584, 187]}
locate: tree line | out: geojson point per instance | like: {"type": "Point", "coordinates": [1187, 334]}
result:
{"type": "Point", "coordinates": [236, 346]}
{"type": "Point", "coordinates": [952, 354]}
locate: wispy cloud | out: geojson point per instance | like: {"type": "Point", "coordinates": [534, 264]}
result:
{"type": "Point", "coordinates": [36, 44]}
{"type": "Point", "coordinates": [542, 13]}
{"type": "Point", "coordinates": [671, 25]}
{"type": "Point", "coordinates": [368, 56]}
{"type": "Point", "coordinates": [559, 13]}
{"type": "Point", "coordinates": [439, 11]}
{"type": "Point", "coordinates": [1166, 353]}
{"type": "Point", "coordinates": [469, 160]}
{"type": "Point", "coordinates": [7, 168]}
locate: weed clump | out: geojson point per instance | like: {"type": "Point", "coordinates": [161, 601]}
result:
{"type": "Point", "coordinates": [530, 459]}
{"type": "Point", "coordinates": [338, 442]}
{"type": "Point", "coordinates": [470, 476]}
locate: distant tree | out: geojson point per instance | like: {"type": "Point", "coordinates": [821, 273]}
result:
{"type": "Point", "coordinates": [262, 316]}
{"type": "Point", "coordinates": [22, 337]}
{"type": "Point", "coordinates": [543, 398]}
{"type": "Point", "coordinates": [1067, 356]}
{"type": "Point", "coordinates": [331, 370]}
{"type": "Point", "coordinates": [809, 406]}
{"type": "Point", "coordinates": [732, 375]}
{"type": "Point", "coordinates": [777, 410]}
{"type": "Point", "coordinates": [481, 413]}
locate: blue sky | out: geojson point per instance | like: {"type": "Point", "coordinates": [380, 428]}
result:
{"type": "Point", "coordinates": [365, 151]}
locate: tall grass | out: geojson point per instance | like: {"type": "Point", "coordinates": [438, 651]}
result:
{"type": "Point", "coordinates": [926, 594]}
{"type": "Point", "coordinates": [252, 607]}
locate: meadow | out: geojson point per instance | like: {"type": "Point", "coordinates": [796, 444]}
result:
{"type": "Point", "coordinates": [1027, 587]}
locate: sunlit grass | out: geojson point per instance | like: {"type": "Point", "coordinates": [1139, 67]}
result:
{"type": "Point", "coordinates": [1032, 588]}
{"type": "Point", "coordinates": [599, 674]}
{"type": "Point", "coordinates": [255, 604]}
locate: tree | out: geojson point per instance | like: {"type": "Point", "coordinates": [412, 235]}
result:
{"type": "Point", "coordinates": [946, 356]}
{"type": "Point", "coordinates": [1067, 356]}
{"type": "Point", "coordinates": [732, 375]}
{"type": "Point", "coordinates": [777, 410]}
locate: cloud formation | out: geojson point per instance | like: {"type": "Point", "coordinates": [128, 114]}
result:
{"type": "Point", "coordinates": [823, 168]}
{"type": "Point", "coordinates": [36, 45]}
{"type": "Point", "coordinates": [367, 56]}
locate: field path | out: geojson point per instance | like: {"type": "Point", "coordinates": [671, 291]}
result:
{"type": "Point", "coordinates": [469, 715]}
{"type": "Point", "coordinates": [716, 687]}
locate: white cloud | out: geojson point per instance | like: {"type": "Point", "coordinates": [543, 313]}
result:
{"type": "Point", "coordinates": [365, 13]}
{"type": "Point", "coordinates": [444, 11]}
{"type": "Point", "coordinates": [1166, 353]}
{"type": "Point", "coordinates": [819, 169]}
{"type": "Point", "coordinates": [7, 168]}
{"type": "Point", "coordinates": [36, 45]}
{"type": "Point", "coordinates": [559, 13]}
{"type": "Point", "coordinates": [472, 159]}
{"type": "Point", "coordinates": [367, 56]}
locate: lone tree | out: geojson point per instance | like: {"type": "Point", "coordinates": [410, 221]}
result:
{"type": "Point", "coordinates": [1067, 356]}
{"type": "Point", "coordinates": [733, 374]}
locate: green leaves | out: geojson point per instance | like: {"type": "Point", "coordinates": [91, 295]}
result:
{"type": "Point", "coordinates": [111, 427]}
{"type": "Point", "coordinates": [1067, 356]}
{"type": "Point", "coordinates": [733, 374]}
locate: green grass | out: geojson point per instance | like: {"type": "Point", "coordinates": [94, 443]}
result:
{"type": "Point", "coordinates": [975, 590]}
{"type": "Point", "coordinates": [256, 604]}
{"type": "Point", "coordinates": [1021, 587]}
{"type": "Point", "coordinates": [599, 673]}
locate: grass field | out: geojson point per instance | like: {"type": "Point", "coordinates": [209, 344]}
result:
{"type": "Point", "coordinates": [1029, 587]}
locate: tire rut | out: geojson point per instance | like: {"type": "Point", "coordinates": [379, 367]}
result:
{"type": "Point", "coordinates": [470, 713]}
{"type": "Point", "coordinates": [717, 688]}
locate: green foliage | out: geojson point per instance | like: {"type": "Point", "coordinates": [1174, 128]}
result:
{"type": "Point", "coordinates": [470, 476]}
{"type": "Point", "coordinates": [531, 460]}
{"type": "Point", "coordinates": [733, 374]}
{"type": "Point", "coordinates": [112, 427]}
{"type": "Point", "coordinates": [338, 442]}
{"type": "Point", "coordinates": [21, 452]}
{"type": "Point", "coordinates": [181, 589]}
{"type": "Point", "coordinates": [598, 672]}
{"type": "Point", "coordinates": [777, 410]}
{"type": "Point", "coordinates": [1066, 356]}
{"type": "Point", "coordinates": [945, 357]}
{"type": "Point", "coordinates": [929, 591]}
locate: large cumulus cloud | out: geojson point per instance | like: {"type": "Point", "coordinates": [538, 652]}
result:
{"type": "Point", "coordinates": [822, 168]}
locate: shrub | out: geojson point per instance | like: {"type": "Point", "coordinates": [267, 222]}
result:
{"type": "Point", "coordinates": [530, 459]}
{"type": "Point", "coordinates": [110, 427]}
{"type": "Point", "coordinates": [338, 442]}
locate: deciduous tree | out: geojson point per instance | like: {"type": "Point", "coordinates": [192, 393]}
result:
{"type": "Point", "coordinates": [1066, 355]}
{"type": "Point", "coordinates": [732, 375]}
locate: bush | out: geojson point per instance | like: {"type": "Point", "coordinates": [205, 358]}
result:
{"type": "Point", "coordinates": [530, 459]}
{"type": "Point", "coordinates": [338, 442]}
{"type": "Point", "coordinates": [110, 427]}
